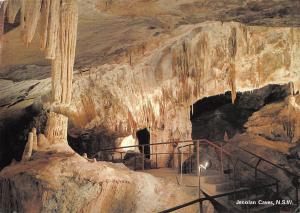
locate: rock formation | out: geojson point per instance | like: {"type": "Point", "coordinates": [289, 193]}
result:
{"type": "Point", "coordinates": [67, 182]}
{"type": "Point", "coordinates": [28, 148]}
{"type": "Point", "coordinates": [140, 64]}
{"type": "Point", "coordinates": [278, 121]}
{"type": "Point", "coordinates": [165, 73]}
{"type": "Point", "coordinates": [58, 20]}
{"type": "Point", "coordinates": [194, 62]}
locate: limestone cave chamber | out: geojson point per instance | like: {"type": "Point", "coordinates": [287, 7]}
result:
{"type": "Point", "coordinates": [134, 106]}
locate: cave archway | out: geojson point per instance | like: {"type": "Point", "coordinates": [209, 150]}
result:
{"type": "Point", "coordinates": [212, 116]}
{"type": "Point", "coordinates": [143, 137]}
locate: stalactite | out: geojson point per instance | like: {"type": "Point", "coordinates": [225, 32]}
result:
{"type": "Point", "coordinates": [259, 72]}
{"type": "Point", "coordinates": [44, 23]}
{"type": "Point", "coordinates": [30, 14]}
{"type": "Point", "coordinates": [62, 65]}
{"type": "Point", "coordinates": [68, 30]}
{"type": "Point", "coordinates": [232, 47]}
{"type": "Point", "coordinates": [49, 41]}
{"type": "Point", "coordinates": [58, 32]}
{"type": "Point", "coordinates": [232, 82]}
{"type": "Point", "coordinates": [12, 10]}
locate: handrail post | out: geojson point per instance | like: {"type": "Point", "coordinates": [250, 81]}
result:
{"type": "Point", "coordinates": [134, 162]}
{"type": "Point", "coordinates": [173, 162]}
{"type": "Point", "coordinates": [179, 161]}
{"type": "Point", "coordinates": [297, 196]}
{"type": "Point", "coordinates": [143, 159]}
{"type": "Point", "coordinates": [247, 194]}
{"type": "Point", "coordinates": [201, 206]}
{"type": "Point", "coordinates": [222, 167]}
{"type": "Point", "coordinates": [197, 157]}
{"type": "Point", "coordinates": [190, 156]}
{"type": "Point", "coordinates": [156, 161]}
{"type": "Point", "coordinates": [255, 171]}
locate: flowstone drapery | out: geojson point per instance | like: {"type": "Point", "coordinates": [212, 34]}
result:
{"type": "Point", "coordinates": [57, 24]}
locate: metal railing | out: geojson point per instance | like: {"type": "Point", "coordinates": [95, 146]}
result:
{"type": "Point", "coordinates": [261, 159]}
{"type": "Point", "coordinates": [212, 198]}
{"type": "Point", "coordinates": [233, 163]}
{"type": "Point", "coordinates": [174, 144]}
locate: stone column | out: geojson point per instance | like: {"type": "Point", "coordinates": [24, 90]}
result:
{"type": "Point", "coordinates": [62, 72]}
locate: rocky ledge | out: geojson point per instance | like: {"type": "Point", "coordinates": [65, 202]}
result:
{"type": "Point", "coordinates": [59, 180]}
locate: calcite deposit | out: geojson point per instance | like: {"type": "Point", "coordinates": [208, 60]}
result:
{"type": "Point", "coordinates": [197, 61]}
{"type": "Point", "coordinates": [57, 179]}
{"type": "Point", "coordinates": [98, 71]}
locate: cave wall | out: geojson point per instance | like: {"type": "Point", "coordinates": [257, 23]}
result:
{"type": "Point", "coordinates": [215, 115]}
{"type": "Point", "coordinates": [154, 85]}
{"type": "Point", "coordinates": [196, 61]}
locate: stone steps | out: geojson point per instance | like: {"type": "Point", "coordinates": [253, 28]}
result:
{"type": "Point", "coordinates": [214, 183]}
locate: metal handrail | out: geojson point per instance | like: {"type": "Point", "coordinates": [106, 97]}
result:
{"type": "Point", "coordinates": [152, 144]}
{"type": "Point", "coordinates": [221, 149]}
{"type": "Point", "coordinates": [270, 162]}
{"type": "Point", "coordinates": [275, 165]}
{"type": "Point", "coordinates": [201, 141]}
{"type": "Point", "coordinates": [217, 196]}
{"type": "Point", "coordinates": [198, 143]}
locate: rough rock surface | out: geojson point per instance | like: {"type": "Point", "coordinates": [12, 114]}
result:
{"type": "Point", "coordinates": [123, 84]}
{"type": "Point", "coordinates": [142, 64]}
{"type": "Point", "coordinates": [277, 122]}
{"type": "Point", "coordinates": [155, 89]}
{"type": "Point", "coordinates": [213, 116]}
{"type": "Point", "coordinates": [60, 180]}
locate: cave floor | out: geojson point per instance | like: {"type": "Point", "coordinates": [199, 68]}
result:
{"type": "Point", "coordinates": [188, 183]}
{"type": "Point", "coordinates": [210, 184]}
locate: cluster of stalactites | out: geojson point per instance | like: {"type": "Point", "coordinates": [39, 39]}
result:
{"type": "Point", "coordinates": [57, 24]}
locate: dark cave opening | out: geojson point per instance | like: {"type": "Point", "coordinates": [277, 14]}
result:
{"type": "Point", "coordinates": [13, 134]}
{"type": "Point", "coordinates": [91, 141]}
{"type": "Point", "coordinates": [143, 137]}
{"type": "Point", "coordinates": [213, 116]}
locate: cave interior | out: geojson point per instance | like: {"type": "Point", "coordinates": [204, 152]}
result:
{"type": "Point", "coordinates": [108, 105]}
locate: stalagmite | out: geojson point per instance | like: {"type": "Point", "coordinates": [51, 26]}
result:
{"type": "Point", "coordinates": [42, 141]}
{"type": "Point", "coordinates": [34, 144]}
{"type": "Point", "coordinates": [28, 148]}
{"type": "Point", "coordinates": [56, 129]}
